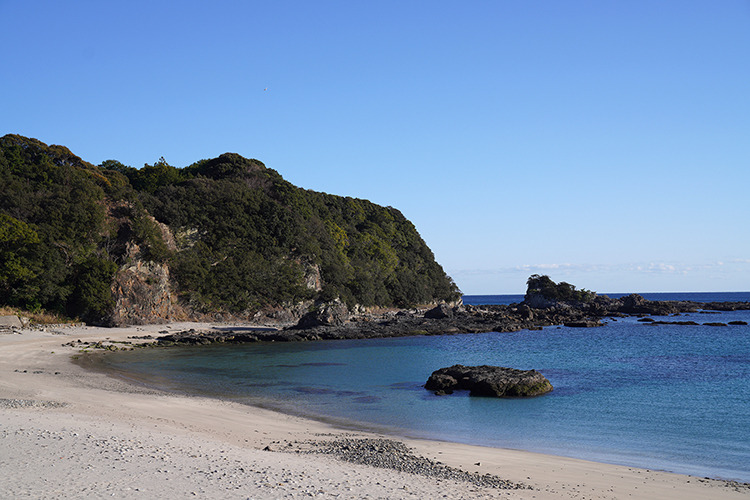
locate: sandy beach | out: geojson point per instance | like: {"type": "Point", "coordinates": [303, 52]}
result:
{"type": "Point", "coordinates": [68, 432]}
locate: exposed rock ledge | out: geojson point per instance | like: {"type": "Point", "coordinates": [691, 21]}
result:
{"type": "Point", "coordinates": [333, 321]}
{"type": "Point", "coordinates": [487, 380]}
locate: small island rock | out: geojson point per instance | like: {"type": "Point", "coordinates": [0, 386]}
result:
{"type": "Point", "coordinates": [487, 380]}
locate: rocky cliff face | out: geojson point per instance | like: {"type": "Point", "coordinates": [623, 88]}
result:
{"type": "Point", "coordinates": [143, 291]}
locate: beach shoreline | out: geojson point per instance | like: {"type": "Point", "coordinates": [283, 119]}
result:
{"type": "Point", "coordinates": [69, 432]}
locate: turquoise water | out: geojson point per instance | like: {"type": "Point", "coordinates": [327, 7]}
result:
{"type": "Point", "coordinates": [663, 397]}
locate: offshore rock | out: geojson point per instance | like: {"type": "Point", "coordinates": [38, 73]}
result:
{"type": "Point", "coordinates": [488, 380]}
{"type": "Point", "coordinates": [636, 304]}
{"type": "Point", "coordinates": [538, 301]}
{"type": "Point", "coordinates": [679, 323]}
{"type": "Point", "coordinates": [583, 324]}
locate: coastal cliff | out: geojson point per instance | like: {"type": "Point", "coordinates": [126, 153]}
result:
{"type": "Point", "coordinates": [223, 239]}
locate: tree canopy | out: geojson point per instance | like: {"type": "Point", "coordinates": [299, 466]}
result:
{"type": "Point", "coordinates": [245, 237]}
{"type": "Point", "coordinates": [561, 292]}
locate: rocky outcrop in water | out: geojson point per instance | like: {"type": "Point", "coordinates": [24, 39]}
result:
{"type": "Point", "coordinates": [583, 324]}
{"type": "Point", "coordinates": [331, 322]}
{"type": "Point", "coordinates": [487, 380]}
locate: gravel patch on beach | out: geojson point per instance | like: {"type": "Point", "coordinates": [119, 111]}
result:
{"type": "Point", "coordinates": [29, 403]}
{"type": "Point", "coordinates": [390, 454]}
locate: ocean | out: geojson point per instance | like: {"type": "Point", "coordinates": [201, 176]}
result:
{"type": "Point", "coordinates": [666, 397]}
{"type": "Point", "coordinates": [692, 296]}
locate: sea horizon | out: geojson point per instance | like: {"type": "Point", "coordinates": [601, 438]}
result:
{"type": "Point", "coordinates": [511, 298]}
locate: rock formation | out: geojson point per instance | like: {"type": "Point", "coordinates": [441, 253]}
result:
{"type": "Point", "coordinates": [440, 311]}
{"type": "Point", "coordinates": [583, 324]}
{"type": "Point", "coordinates": [142, 289]}
{"type": "Point", "coordinates": [488, 381]}
{"type": "Point", "coordinates": [328, 314]}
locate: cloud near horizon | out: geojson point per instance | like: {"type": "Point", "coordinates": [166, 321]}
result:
{"type": "Point", "coordinates": [632, 267]}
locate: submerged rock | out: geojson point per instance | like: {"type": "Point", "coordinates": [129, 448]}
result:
{"type": "Point", "coordinates": [487, 380]}
{"type": "Point", "coordinates": [583, 324]}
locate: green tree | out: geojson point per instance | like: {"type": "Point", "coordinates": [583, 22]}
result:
{"type": "Point", "coordinates": [18, 244]}
{"type": "Point", "coordinates": [152, 177]}
{"type": "Point", "coordinates": [245, 236]}
{"type": "Point", "coordinates": [563, 292]}
{"type": "Point", "coordinates": [92, 297]}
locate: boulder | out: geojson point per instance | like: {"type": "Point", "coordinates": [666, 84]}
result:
{"type": "Point", "coordinates": [525, 312]}
{"type": "Point", "coordinates": [633, 302]}
{"type": "Point", "coordinates": [487, 380]}
{"type": "Point", "coordinates": [10, 322]}
{"type": "Point", "coordinates": [329, 314]}
{"type": "Point", "coordinates": [440, 312]}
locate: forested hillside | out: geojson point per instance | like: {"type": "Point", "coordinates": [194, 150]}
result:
{"type": "Point", "coordinates": [240, 237]}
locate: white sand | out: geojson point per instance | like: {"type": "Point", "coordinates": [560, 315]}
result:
{"type": "Point", "coordinates": [110, 439]}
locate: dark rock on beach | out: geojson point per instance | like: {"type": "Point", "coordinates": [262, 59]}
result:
{"type": "Point", "coordinates": [389, 454]}
{"type": "Point", "coordinates": [487, 380]}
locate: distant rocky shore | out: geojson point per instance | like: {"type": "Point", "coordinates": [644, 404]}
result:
{"type": "Point", "coordinates": [334, 321]}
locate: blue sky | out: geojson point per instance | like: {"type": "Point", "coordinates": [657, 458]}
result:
{"type": "Point", "coordinates": [605, 143]}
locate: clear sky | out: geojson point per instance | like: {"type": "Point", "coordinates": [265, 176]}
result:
{"type": "Point", "coordinates": [605, 143]}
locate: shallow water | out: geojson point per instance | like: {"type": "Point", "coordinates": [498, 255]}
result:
{"type": "Point", "coordinates": [655, 396]}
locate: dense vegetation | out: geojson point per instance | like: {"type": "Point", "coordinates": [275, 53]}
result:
{"type": "Point", "coordinates": [56, 251]}
{"type": "Point", "coordinates": [246, 238]}
{"type": "Point", "coordinates": [559, 292]}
